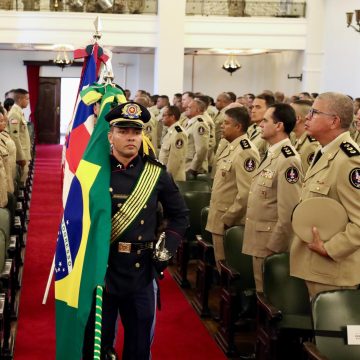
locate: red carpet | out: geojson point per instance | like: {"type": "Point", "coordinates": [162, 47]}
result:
{"type": "Point", "coordinates": [179, 332]}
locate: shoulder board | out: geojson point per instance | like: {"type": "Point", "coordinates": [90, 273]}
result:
{"type": "Point", "coordinates": [311, 139]}
{"type": "Point", "coordinates": [287, 151]}
{"type": "Point", "coordinates": [178, 128]}
{"type": "Point", "coordinates": [200, 119]}
{"type": "Point", "coordinates": [245, 144]}
{"type": "Point", "coordinates": [349, 149]}
{"type": "Point", "coordinates": [154, 161]}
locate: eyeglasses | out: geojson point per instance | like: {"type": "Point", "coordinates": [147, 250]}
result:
{"type": "Point", "coordinates": [313, 112]}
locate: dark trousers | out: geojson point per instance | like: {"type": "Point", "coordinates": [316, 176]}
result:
{"type": "Point", "coordinates": [137, 312]}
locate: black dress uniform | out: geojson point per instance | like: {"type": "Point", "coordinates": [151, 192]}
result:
{"type": "Point", "coordinates": [130, 289]}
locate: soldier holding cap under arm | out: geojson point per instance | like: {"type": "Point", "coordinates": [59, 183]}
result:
{"type": "Point", "coordinates": [332, 263]}
{"type": "Point", "coordinates": [138, 183]}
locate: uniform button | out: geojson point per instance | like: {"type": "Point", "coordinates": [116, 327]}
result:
{"type": "Point", "coordinates": [111, 189]}
{"type": "Point", "coordinates": [317, 188]}
{"type": "Point", "coordinates": [142, 222]}
{"type": "Point", "coordinates": [269, 228]}
{"type": "Point", "coordinates": [250, 192]}
{"type": "Point", "coordinates": [139, 237]}
{"type": "Point", "coordinates": [137, 265]}
{"type": "Point", "coordinates": [145, 206]}
{"type": "Point", "coordinates": [119, 205]}
{"type": "Point", "coordinates": [138, 252]}
{"type": "Point", "coordinates": [247, 219]}
{"type": "Point", "coordinates": [263, 183]}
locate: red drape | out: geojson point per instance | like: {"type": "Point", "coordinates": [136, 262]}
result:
{"type": "Point", "coordinates": [33, 72]}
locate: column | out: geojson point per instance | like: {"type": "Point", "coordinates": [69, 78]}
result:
{"type": "Point", "coordinates": [314, 52]}
{"type": "Point", "coordinates": [169, 52]}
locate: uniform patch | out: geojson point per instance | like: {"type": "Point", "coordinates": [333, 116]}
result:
{"type": "Point", "coordinates": [250, 164]}
{"type": "Point", "coordinates": [245, 144]}
{"type": "Point", "coordinates": [179, 144]}
{"type": "Point", "coordinates": [311, 139]}
{"type": "Point", "coordinates": [311, 158]}
{"type": "Point", "coordinates": [349, 149]}
{"type": "Point", "coordinates": [14, 121]}
{"type": "Point", "coordinates": [292, 175]}
{"type": "Point", "coordinates": [178, 128]}
{"type": "Point", "coordinates": [201, 130]}
{"type": "Point", "coordinates": [287, 151]}
{"type": "Point", "coordinates": [354, 178]}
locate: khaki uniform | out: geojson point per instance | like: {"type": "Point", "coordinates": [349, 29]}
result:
{"type": "Point", "coordinates": [20, 134]}
{"type": "Point", "coordinates": [306, 147]}
{"type": "Point", "coordinates": [150, 130]}
{"type": "Point", "coordinates": [183, 120]}
{"type": "Point", "coordinates": [335, 175]}
{"type": "Point", "coordinates": [274, 192]}
{"type": "Point", "coordinates": [10, 144]}
{"type": "Point", "coordinates": [221, 147]}
{"type": "Point", "coordinates": [218, 120]}
{"type": "Point", "coordinates": [4, 152]}
{"type": "Point", "coordinates": [3, 176]}
{"type": "Point", "coordinates": [198, 144]}
{"type": "Point", "coordinates": [254, 134]}
{"type": "Point", "coordinates": [212, 111]}
{"type": "Point", "coordinates": [235, 167]}
{"type": "Point", "coordinates": [356, 137]}
{"type": "Point", "coordinates": [212, 143]}
{"type": "Point", "coordinates": [173, 151]}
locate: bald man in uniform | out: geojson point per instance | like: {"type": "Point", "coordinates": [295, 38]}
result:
{"type": "Point", "coordinates": [198, 140]}
{"type": "Point", "coordinates": [274, 192]}
{"type": "Point", "coordinates": [334, 174]}
{"type": "Point", "coordinates": [258, 108]}
{"type": "Point", "coordinates": [19, 131]}
{"type": "Point", "coordinates": [174, 146]}
{"type": "Point", "coordinates": [305, 145]}
{"type": "Point", "coordinates": [236, 165]}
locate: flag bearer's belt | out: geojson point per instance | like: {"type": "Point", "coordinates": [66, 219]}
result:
{"type": "Point", "coordinates": [124, 247]}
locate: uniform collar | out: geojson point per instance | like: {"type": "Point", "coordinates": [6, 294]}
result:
{"type": "Point", "coordinates": [301, 139]}
{"type": "Point", "coordinates": [116, 165]}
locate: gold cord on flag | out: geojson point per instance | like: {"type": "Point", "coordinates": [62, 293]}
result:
{"type": "Point", "coordinates": [98, 320]}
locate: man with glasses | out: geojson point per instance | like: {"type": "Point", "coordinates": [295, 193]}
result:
{"type": "Point", "coordinates": [334, 174]}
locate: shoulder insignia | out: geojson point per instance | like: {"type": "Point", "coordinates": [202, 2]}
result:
{"type": "Point", "coordinates": [178, 128]}
{"type": "Point", "coordinates": [179, 143]}
{"type": "Point", "coordinates": [14, 121]}
{"type": "Point", "coordinates": [292, 175]}
{"type": "Point", "coordinates": [287, 151]}
{"type": "Point", "coordinates": [354, 178]}
{"type": "Point", "coordinates": [349, 149]}
{"type": "Point", "coordinates": [311, 139]}
{"type": "Point", "coordinates": [154, 161]}
{"type": "Point", "coordinates": [201, 130]}
{"type": "Point", "coordinates": [245, 144]}
{"type": "Point", "coordinates": [200, 120]}
{"type": "Point", "coordinates": [310, 158]}
{"type": "Point", "coordinates": [250, 164]}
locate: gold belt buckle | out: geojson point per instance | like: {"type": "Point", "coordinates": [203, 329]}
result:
{"type": "Point", "coordinates": [124, 247]}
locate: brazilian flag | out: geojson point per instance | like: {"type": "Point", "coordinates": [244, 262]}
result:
{"type": "Point", "coordinates": [84, 234]}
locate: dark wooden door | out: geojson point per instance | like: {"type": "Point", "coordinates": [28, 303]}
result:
{"type": "Point", "coordinates": [48, 111]}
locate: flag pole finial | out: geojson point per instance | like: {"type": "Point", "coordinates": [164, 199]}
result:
{"type": "Point", "coordinates": [98, 29]}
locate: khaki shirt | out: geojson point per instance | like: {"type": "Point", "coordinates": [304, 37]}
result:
{"type": "Point", "coordinates": [173, 151]}
{"type": "Point", "coordinates": [356, 137]}
{"type": "Point", "coordinates": [183, 120]}
{"type": "Point", "coordinates": [254, 134]}
{"type": "Point", "coordinates": [10, 144]}
{"type": "Point", "coordinates": [221, 147]}
{"type": "Point", "coordinates": [198, 144]}
{"type": "Point", "coordinates": [306, 147]}
{"type": "Point", "coordinates": [274, 193]}
{"type": "Point", "coordinates": [236, 165]}
{"type": "Point", "coordinates": [19, 133]}
{"type": "Point", "coordinates": [336, 175]}
{"type": "Point", "coordinates": [150, 130]}
{"type": "Point", "coordinates": [218, 120]}
{"type": "Point", "coordinates": [3, 176]}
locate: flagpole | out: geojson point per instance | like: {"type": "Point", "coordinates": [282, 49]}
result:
{"type": "Point", "coordinates": [46, 293]}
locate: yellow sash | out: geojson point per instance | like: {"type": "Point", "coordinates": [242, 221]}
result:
{"type": "Point", "coordinates": [131, 208]}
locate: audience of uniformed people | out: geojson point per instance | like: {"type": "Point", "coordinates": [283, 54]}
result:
{"type": "Point", "coordinates": [259, 175]}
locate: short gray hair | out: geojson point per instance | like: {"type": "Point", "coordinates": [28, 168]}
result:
{"type": "Point", "coordinates": [341, 105]}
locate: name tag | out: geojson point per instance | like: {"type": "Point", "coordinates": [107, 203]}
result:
{"type": "Point", "coordinates": [353, 334]}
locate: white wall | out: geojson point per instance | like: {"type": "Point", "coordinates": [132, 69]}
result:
{"type": "Point", "coordinates": [342, 50]}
